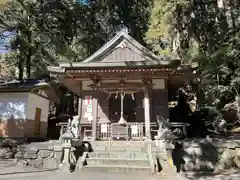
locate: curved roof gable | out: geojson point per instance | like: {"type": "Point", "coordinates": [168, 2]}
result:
{"type": "Point", "coordinates": [122, 50]}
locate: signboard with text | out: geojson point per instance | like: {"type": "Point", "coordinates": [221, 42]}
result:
{"type": "Point", "coordinates": [88, 105]}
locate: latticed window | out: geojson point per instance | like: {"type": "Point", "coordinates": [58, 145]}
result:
{"type": "Point", "coordinates": [69, 104]}
{"type": "Point", "coordinates": [75, 104]}
{"type": "Point", "coordinates": [52, 108]}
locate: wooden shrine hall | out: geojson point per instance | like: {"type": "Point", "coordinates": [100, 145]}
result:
{"type": "Point", "coordinates": [122, 88]}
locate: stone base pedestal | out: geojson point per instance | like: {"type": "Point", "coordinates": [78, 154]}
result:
{"type": "Point", "coordinates": [165, 148]}
{"type": "Point", "coordinates": [160, 143]}
{"type": "Point", "coordinates": [163, 144]}
{"type": "Point", "coordinates": [65, 164]}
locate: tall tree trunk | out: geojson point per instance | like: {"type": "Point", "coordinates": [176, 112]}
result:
{"type": "Point", "coordinates": [20, 66]}
{"type": "Point", "coordinates": [21, 63]}
{"type": "Point", "coordinates": [231, 9]}
{"type": "Point", "coordinates": [28, 63]}
{"type": "Point", "coordinates": [29, 56]}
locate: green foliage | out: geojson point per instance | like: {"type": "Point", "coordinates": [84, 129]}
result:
{"type": "Point", "coordinates": [190, 27]}
{"type": "Point", "coordinates": [30, 50]}
{"type": "Point", "coordinates": [208, 33]}
{"type": "Point", "coordinates": [168, 19]}
{"type": "Point", "coordinates": [49, 32]}
{"type": "Point", "coordinates": [220, 72]}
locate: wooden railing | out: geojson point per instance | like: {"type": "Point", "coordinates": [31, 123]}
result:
{"type": "Point", "coordinates": [128, 131]}
{"type": "Point", "coordinates": [104, 131]}
{"type": "Point", "coordinates": [136, 131]}
{"type": "Point", "coordinates": [108, 131]}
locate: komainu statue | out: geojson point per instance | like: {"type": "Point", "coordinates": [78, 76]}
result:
{"type": "Point", "coordinates": [72, 129]}
{"type": "Point", "coordinates": [163, 128]}
{"type": "Point", "coordinates": [75, 125]}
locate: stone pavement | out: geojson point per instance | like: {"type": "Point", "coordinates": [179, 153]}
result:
{"type": "Point", "coordinates": [83, 176]}
{"type": "Point", "coordinates": [232, 175]}
{"type": "Point", "coordinates": [9, 166]}
{"type": "Point", "coordinates": [6, 163]}
{"type": "Point", "coordinates": [11, 171]}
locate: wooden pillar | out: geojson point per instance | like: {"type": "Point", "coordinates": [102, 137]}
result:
{"type": "Point", "coordinates": [95, 114]}
{"type": "Point", "coordinates": [147, 113]}
{"type": "Point", "coordinates": [80, 100]}
{"type": "Point", "coordinates": [80, 116]}
{"type": "Point", "coordinates": [80, 106]}
{"type": "Point", "coordinates": [95, 110]}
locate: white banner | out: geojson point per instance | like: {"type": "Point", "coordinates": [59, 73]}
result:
{"type": "Point", "coordinates": [134, 129]}
{"type": "Point", "coordinates": [87, 100]}
{"type": "Point", "coordinates": [104, 128]}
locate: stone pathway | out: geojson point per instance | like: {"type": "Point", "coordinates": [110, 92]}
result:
{"type": "Point", "coordinates": [83, 176]}
{"type": "Point", "coordinates": [6, 163]}
{"type": "Point", "coordinates": [8, 167]}
{"type": "Point", "coordinates": [11, 167]}
{"type": "Point", "coordinates": [113, 176]}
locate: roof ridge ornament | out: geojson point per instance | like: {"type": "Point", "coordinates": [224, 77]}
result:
{"type": "Point", "coordinates": [122, 45]}
{"type": "Point", "coordinates": [123, 28]}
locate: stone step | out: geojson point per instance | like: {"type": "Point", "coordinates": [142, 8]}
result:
{"type": "Point", "coordinates": [54, 142]}
{"type": "Point", "coordinates": [113, 143]}
{"type": "Point", "coordinates": [119, 155]}
{"type": "Point", "coordinates": [116, 169]}
{"type": "Point", "coordinates": [119, 148]}
{"type": "Point", "coordinates": [125, 143]}
{"type": "Point", "coordinates": [122, 144]}
{"type": "Point", "coordinates": [6, 162]}
{"type": "Point", "coordinates": [114, 161]}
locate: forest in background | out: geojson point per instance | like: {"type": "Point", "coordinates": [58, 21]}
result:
{"type": "Point", "coordinates": [47, 32]}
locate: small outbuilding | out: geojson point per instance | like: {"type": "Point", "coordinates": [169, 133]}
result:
{"type": "Point", "coordinates": [24, 108]}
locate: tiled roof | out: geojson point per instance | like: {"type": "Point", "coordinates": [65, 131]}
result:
{"type": "Point", "coordinates": [30, 86]}
{"type": "Point", "coordinates": [121, 51]}
{"type": "Point", "coordinates": [22, 84]}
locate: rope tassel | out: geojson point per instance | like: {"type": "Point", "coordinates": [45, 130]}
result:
{"type": "Point", "coordinates": [133, 98]}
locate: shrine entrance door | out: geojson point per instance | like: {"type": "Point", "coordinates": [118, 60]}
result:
{"type": "Point", "coordinates": [129, 108]}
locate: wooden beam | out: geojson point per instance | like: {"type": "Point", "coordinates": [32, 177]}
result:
{"type": "Point", "coordinates": [123, 75]}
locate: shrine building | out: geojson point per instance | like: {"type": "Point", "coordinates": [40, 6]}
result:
{"type": "Point", "coordinates": [122, 88]}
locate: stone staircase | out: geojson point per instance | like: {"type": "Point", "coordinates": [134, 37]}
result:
{"type": "Point", "coordinates": [118, 156]}
{"type": "Point", "coordinates": [4, 163]}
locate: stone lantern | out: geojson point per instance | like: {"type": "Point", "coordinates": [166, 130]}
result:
{"type": "Point", "coordinates": [66, 148]}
